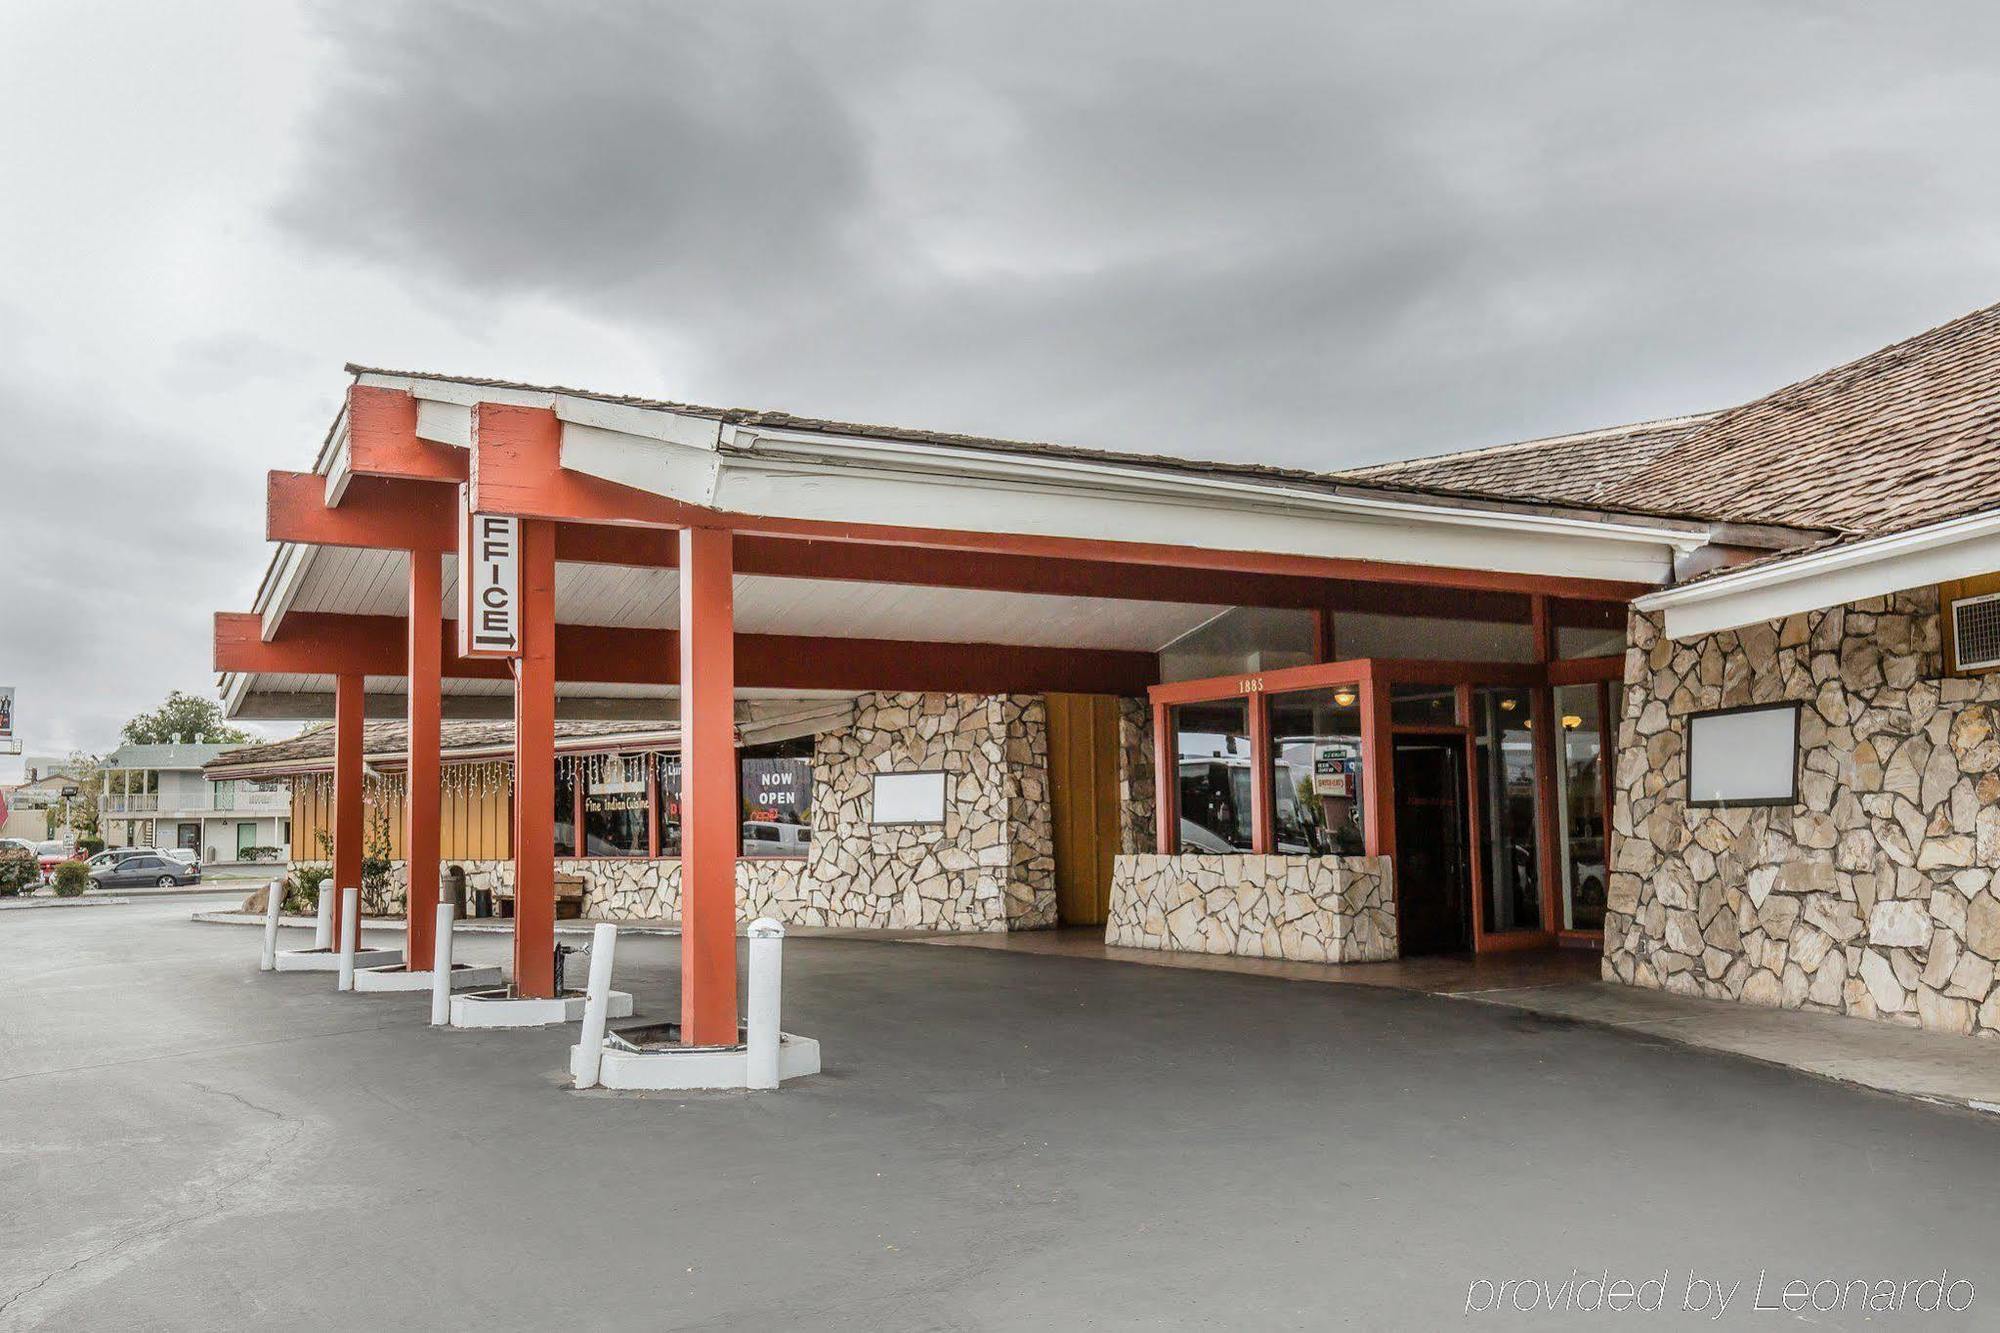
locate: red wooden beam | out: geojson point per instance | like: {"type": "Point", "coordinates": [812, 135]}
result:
{"type": "Point", "coordinates": [389, 514]}
{"type": "Point", "coordinates": [535, 768]}
{"type": "Point", "coordinates": [382, 439]}
{"type": "Point", "coordinates": [321, 643]}
{"type": "Point", "coordinates": [399, 514]}
{"type": "Point", "coordinates": [376, 512]}
{"type": "Point", "coordinates": [710, 806]}
{"type": "Point", "coordinates": [516, 468]}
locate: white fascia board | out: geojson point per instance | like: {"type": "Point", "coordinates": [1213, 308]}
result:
{"type": "Point", "coordinates": [291, 562]}
{"type": "Point", "coordinates": [444, 412]}
{"type": "Point", "coordinates": [684, 471]}
{"type": "Point", "coordinates": [887, 483]}
{"type": "Point", "coordinates": [233, 686]}
{"type": "Point", "coordinates": [896, 485]}
{"type": "Point", "coordinates": [1833, 577]}
{"type": "Point", "coordinates": [339, 468]}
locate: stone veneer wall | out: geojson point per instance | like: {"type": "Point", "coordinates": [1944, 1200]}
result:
{"type": "Point", "coordinates": [1875, 894]}
{"type": "Point", "coordinates": [1136, 802]}
{"type": "Point", "coordinates": [990, 866]}
{"type": "Point", "coordinates": [1317, 909]}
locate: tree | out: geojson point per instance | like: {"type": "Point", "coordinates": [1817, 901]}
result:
{"type": "Point", "coordinates": [184, 717]}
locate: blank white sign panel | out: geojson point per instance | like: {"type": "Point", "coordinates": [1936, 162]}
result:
{"type": "Point", "coordinates": [1741, 757]}
{"type": "Point", "coordinates": [908, 798]}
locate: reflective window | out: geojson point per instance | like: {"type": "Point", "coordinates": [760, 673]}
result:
{"type": "Point", "coordinates": [667, 811]}
{"type": "Point", "coordinates": [1507, 850]}
{"type": "Point", "coordinates": [565, 809]}
{"type": "Point", "coordinates": [1423, 705]}
{"type": "Point", "coordinates": [777, 788]}
{"type": "Point", "coordinates": [1213, 742]}
{"type": "Point", "coordinates": [1572, 641]}
{"type": "Point", "coordinates": [614, 806]}
{"type": "Point", "coordinates": [1581, 807]}
{"type": "Point", "coordinates": [1316, 771]}
{"type": "Point", "coordinates": [1242, 639]}
{"type": "Point", "coordinates": [1365, 634]}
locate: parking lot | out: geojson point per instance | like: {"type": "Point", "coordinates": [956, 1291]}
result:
{"type": "Point", "coordinates": [1000, 1140]}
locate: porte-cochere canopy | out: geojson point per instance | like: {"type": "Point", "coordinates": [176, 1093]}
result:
{"type": "Point", "coordinates": [706, 565]}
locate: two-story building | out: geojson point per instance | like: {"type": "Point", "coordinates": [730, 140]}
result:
{"type": "Point", "coordinates": [158, 796]}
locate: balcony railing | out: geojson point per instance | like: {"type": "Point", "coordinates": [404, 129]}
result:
{"type": "Point", "coordinates": [252, 801]}
{"type": "Point", "coordinates": [131, 805]}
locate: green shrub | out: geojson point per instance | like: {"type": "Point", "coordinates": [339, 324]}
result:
{"type": "Point", "coordinates": [302, 888]}
{"type": "Point", "coordinates": [90, 846]}
{"type": "Point", "coordinates": [72, 878]}
{"type": "Point", "coordinates": [19, 870]}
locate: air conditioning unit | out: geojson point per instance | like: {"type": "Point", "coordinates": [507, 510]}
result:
{"type": "Point", "coordinates": [1975, 633]}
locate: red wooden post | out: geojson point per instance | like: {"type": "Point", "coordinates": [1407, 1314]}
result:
{"type": "Point", "coordinates": [422, 799]}
{"type": "Point", "coordinates": [711, 827]}
{"type": "Point", "coordinates": [535, 767]}
{"type": "Point", "coordinates": [1166, 780]}
{"type": "Point", "coordinates": [1263, 802]}
{"type": "Point", "coordinates": [1378, 773]}
{"type": "Point", "coordinates": [349, 706]}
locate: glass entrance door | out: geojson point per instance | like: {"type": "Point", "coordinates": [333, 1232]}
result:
{"type": "Point", "coordinates": [1509, 848]}
{"type": "Point", "coordinates": [1432, 868]}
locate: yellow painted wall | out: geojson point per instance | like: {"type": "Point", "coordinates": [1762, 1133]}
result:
{"type": "Point", "coordinates": [1083, 795]}
{"type": "Point", "coordinates": [474, 826]}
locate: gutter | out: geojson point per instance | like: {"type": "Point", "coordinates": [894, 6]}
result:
{"type": "Point", "coordinates": [1831, 576]}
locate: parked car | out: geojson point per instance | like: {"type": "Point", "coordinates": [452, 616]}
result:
{"type": "Point", "coordinates": [149, 867]}
{"type": "Point", "coordinates": [111, 856]}
{"type": "Point", "coordinates": [53, 854]}
{"type": "Point", "coordinates": [187, 856]}
{"type": "Point", "coordinates": [770, 839]}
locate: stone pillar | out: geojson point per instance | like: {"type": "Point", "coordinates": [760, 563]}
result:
{"type": "Point", "coordinates": [1136, 831]}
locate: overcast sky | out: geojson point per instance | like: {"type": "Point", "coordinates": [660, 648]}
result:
{"type": "Point", "coordinates": [1314, 234]}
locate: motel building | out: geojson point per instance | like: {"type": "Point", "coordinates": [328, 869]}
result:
{"type": "Point", "coordinates": [1707, 697]}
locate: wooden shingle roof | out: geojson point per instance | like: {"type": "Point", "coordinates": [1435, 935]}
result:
{"type": "Point", "coordinates": [1903, 437]}
{"type": "Point", "coordinates": [1580, 469]}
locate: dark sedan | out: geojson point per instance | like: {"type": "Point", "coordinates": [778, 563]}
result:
{"type": "Point", "coordinates": [146, 868]}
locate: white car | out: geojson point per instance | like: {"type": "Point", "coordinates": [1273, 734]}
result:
{"type": "Point", "coordinates": [770, 839]}
{"type": "Point", "coordinates": [187, 856]}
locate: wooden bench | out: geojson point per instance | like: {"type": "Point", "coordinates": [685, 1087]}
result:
{"type": "Point", "coordinates": [569, 896]}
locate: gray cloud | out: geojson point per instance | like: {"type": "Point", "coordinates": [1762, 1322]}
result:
{"type": "Point", "coordinates": [1313, 234]}
{"type": "Point", "coordinates": [1299, 233]}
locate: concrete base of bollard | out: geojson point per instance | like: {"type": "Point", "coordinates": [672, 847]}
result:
{"type": "Point", "coordinates": [501, 1009]}
{"type": "Point", "coordinates": [328, 960]}
{"type": "Point", "coordinates": [666, 1068]}
{"type": "Point", "coordinates": [397, 977]}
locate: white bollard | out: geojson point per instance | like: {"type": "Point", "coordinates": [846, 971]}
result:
{"type": "Point", "coordinates": [767, 967]}
{"type": "Point", "coordinates": [596, 1003]}
{"type": "Point", "coordinates": [323, 923]}
{"type": "Point", "coordinates": [350, 933]}
{"type": "Point", "coordinates": [441, 968]}
{"type": "Point", "coordinates": [275, 895]}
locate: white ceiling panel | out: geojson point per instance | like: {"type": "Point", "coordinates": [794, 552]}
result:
{"type": "Point", "coordinates": [842, 609]}
{"type": "Point", "coordinates": [364, 582]}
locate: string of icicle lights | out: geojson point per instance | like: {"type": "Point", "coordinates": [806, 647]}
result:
{"type": "Point", "coordinates": [494, 777]}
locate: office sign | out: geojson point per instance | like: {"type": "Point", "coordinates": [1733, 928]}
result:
{"type": "Point", "coordinates": [9, 742]}
{"type": "Point", "coordinates": [489, 583]}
